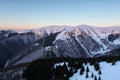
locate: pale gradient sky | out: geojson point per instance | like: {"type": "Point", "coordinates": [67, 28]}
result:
{"type": "Point", "coordinates": [25, 14]}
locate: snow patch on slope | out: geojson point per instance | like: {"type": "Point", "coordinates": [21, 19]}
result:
{"type": "Point", "coordinates": [116, 42]}
{"type": "Point", "coordinates": [108, 70]}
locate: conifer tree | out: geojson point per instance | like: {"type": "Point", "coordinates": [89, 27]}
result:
{"type": "Point", "coordinates": [95, 78]}
{"type": "Point", "coordinates": [87, 69]}
{"type": "Point", "coordinates": [92, 75]}
{"type": "Point", "coordinates": [113, 63]}
{"type": "Point", "coordinates": [86, 75]}
{"type": "Point", "coordinates": [97, 66]}
{"type": "Point", "coordinates": [99, 72]}
{"type": "Point", "coordinates": [82, 70]}
{"type": "Point", "coordinates": [99, 78]}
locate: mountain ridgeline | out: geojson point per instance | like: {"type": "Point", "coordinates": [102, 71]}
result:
{"type": "Point", "coordinates": [58, 41]}
{"type": "Point", "coordinates": [19, 49]}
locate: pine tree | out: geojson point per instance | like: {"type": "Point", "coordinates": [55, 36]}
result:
{"type": "Point", "coordinates": [82, 70]}
{"type": "Point", "coordinates": [95, 78]}
{"type": "Point", "coordinates": [65, 67]}
{"type": "Point", "coordinates": [99, 72]}
{"type": "Point", "coordinates": [86, 75]}
{"type": "Point", "coordinates": [97, 66]}
{"type": "Point", "coordinates": [92, 75]}
{"type": "Point", "coordinates": [113, 63]}
{"type": "Point", "coordinates": [99, 78]}
{"type": "Point", "coordinates": [87, 69]}
{"type": "Point", "coordinates": [69, 73]}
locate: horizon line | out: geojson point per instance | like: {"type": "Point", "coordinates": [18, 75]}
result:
{"type": "Point", "coordinates": [33, 27]}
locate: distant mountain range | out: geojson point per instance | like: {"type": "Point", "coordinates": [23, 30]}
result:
{"type": "Point", "coordinates": [57, 41]}
{"type": "Point", "coordinates": [20, 48]}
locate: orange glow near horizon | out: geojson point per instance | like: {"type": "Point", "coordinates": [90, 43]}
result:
{"type": "Point", "coordinates": [25, 27]}
{"type": "Point", "coordinates": [32, 14]}
{"type": "Point", "coordinates": [18, 27]}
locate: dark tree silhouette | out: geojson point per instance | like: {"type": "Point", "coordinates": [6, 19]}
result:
{"type": "Point", "coordinates": [113, 63]}
{"type": "Point", "coordinates": [87, 75]}
{"type": "Point", "coordinates": [95, 78]}
{"type": "Point", "coordinates": [97, 66]}
{"type": "Point", "coordinates": [92, 75]}
{"type": "Point", "coordinates": [82, 70]}
{"type": "Point", "coordinates": [112, 37]}
{"type": "Point", "coordinates": [99, 72]}
{"type": "Point", "coordinates": [70, 72]}
{"type": "Point", "coordinates": [99, 78]}
{"type": "Point", "coordinates": [87, 69]}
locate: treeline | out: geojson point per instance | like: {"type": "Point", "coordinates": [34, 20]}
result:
{"type": "Point", "coordinates": [44, 69]}
{"type": "Point", "coordinates": [112, 37]}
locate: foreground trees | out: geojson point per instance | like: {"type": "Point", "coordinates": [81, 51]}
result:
{"type": "Point", "coordinates": [64, 68]}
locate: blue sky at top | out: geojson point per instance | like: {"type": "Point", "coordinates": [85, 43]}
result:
{"type": "Point", "coordinates": [38, 13]}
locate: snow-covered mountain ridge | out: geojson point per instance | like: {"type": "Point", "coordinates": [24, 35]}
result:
{"type": "Point", "coordinates": [79, 41]}
{"type": "Point", "coordinates": [70, 41]}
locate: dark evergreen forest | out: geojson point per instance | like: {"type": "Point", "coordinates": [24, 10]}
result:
{"type": "Point", "coordinates": [44, 69]}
